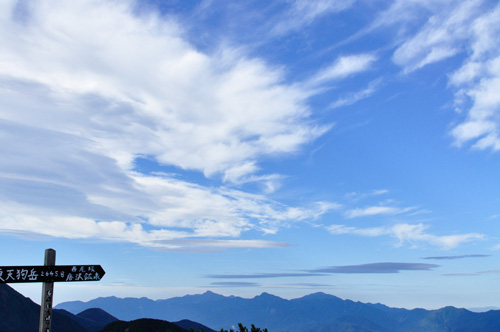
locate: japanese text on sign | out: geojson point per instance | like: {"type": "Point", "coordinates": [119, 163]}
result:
{"type": "Point", "coordinates": [57, 273]}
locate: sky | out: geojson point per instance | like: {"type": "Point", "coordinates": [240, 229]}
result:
{"type": "Point", "coordinates": [350, 147]}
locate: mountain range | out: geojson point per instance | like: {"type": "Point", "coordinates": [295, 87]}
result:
{"type": "Point", "coordinates": [317, 312]}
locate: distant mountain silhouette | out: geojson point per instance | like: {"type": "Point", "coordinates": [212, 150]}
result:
{"type": "Point", "coordinates": [21, 314]}
{"type": "Point", "coordinates": [94, 319]}
{"type": "Point", "coordinates": [317, 312]}
{"type": "Point", "coordinates": [188, 325]}
{"type": "Point", "coordinates": [483, 309]}
{"type": "Point", "coordinates": [143, 325]}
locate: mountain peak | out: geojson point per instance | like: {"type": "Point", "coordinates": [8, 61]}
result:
{"type": "Point", "coordinates": [212, 295]}
{"type": "Point", "coordinates": [319, 295]}
{"type": "Point", "coordinates": [267, 296]}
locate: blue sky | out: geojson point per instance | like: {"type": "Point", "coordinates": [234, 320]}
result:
{"type": "Point", "coordinates": [290, 147]}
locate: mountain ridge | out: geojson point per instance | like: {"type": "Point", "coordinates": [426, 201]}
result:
{"type": "Point", "coordinates": [317, 311]}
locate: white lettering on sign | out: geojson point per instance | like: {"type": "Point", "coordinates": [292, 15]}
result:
{"type": "Point", "coordinates": [14, 274]}
{"type": "Point", "coordinates": [33, 275]}
{"type": "Point", "coordinates": [21, 274]}
{"type": "Point", "coordinates": [10, 275]}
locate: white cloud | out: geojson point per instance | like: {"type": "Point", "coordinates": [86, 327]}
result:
{"type": "Point", "coordinates": [183, 244]}
{"type": "Point", "coordinates": [343, 67]}
{"type": "Point", "coordinates": [305, 12]}
{"type": "Point", "coordinates": [356, 196]}
{"type": "Point", "coordinates": [342, 229]}
{"type": "Point", "coordinates": [86, 87]}
{"type": "Point", "coordinates": [355, 97]}
{"type": "Point", "coordinates": [376, 210]}
{"type": "Point", "coordinates": [218, 211]}
{"type": "Point", "coordinates": [157, 95]}
{"type": "Point", "coordinates": [310, 9]}
{"type": "Point", "coordinates": [440, 38]}
{"type": "Point", "coordinates": [470, 28]}
{"type": "Point", "coordinates": [408, 11]}
{"type": "Point", "coordinates": [176, 213]}
{"type": "Point", "coordinates": [482, 123]}
{"type": "Point", "coordinates": [411, 234]}
{"type": "Point", "coordinates": [179, 215]}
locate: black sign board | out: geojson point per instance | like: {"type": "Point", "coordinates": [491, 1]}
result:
{"type": "Point", "coordinates": [55, 273]}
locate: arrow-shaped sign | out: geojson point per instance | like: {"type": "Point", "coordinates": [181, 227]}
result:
{"type": "Point", "coordinates": [56, 273]}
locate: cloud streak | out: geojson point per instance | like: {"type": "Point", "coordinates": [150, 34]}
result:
{"type": "Point", "coordinates": [456, 257]}
{"type": "Point", "coordinates": [342, 67]}
{"type": "Point", "coordinates": [377, 268]}
{"type": "Point", "coordinates": [376, 210]}
{"type": "Point", "coordinates": [384, 267]}
{"type": "Point", "coordinates": [355, 97]}
{"type": "Point", "coordinates": [264, 275]}
{"type": "Point", "coordinates": [408, 234]}
{"type": "Point", "coordinates": [234, 284]}
{"type": "Point", "coordinates": [304, 12]}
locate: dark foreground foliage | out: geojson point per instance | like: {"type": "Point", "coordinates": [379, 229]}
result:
{"type": "Point", "coordinates": [156, 325]}
{"type": "Point", "coordinates": [143, 325]}
{"type": "Point", "coordinates": [244, 329]}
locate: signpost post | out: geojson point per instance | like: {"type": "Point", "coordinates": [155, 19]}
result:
{"type": "Point", "coordinates": [47, 292]}
{"type": "Point", "coordinates": [48, 274]}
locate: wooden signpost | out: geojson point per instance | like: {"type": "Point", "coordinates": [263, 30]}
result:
{"type": "Point", "coordinates": [48, 274]}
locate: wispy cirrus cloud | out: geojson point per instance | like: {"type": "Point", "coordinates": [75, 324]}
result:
{"type": "Point", "coordinates": [195, 212]}
{"type": "Point", "coordinates": [211, 245]}
{"type": "Point", "coordinates": [386, 267]}
{"type": "Point", "coordinates": [457, 257]}
{"type": "Point", "coordinates": [406, 233]}
{"type": "Point", "coordinates": [342, 67]}
{"type": "Point", "coordinates": [314, 8]}
{"type": "Point", "coordinates": [306, 285]}
{"type": "Point", "coordinates": [490, 272]}
{"type": "Point", "coordinates": [264, 275]}
{"type": "Point", "coordinates": [303, 12]}
{"type": "Point", "coordinates": [441, 37]}
{"type": "Point", "coordinates": [370, 231]}
{"type": "Point", "coordinates": [357, 96]}
{"type": "Point", "coordinates": [234, 284]}
{"type": "Point", "coordinates": [359, 196]}
{"type": "Point", "coordinates": [383, 267]}
{"type": "Point", "coordinates": [413, 235]}
{"type": "Point", "coordinates": [478, 81]}
{"type": "Point", "coordinates": [88, 87]}
{"type": "Point", "coordinates": [468, 28]}
{"type": "Point", "coordinates": [376, 210]}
